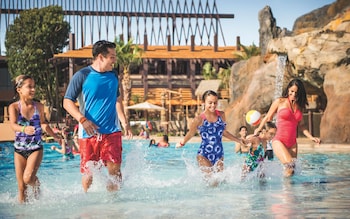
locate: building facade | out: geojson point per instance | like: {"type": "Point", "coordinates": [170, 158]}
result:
{"type": "Point", "coordinates": [177, 38]}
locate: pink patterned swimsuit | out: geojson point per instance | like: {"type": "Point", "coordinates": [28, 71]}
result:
{"type": "Point", "coordinates": [287, 122]}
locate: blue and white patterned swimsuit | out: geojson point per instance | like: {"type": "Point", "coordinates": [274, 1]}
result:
{"type": "Point", "coordinates": [28, 143]}
{"type": "Point", "coordinates": [211, 134]}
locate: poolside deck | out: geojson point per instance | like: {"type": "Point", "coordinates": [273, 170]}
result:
{"type": "Point", "coordinates": [6, 133]}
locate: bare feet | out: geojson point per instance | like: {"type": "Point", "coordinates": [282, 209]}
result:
{"type": "Point", "coordinates": [36, 189]}
{"type": "Point", "coordinates": [289, 168]}
{"type": "Point", "coordinates": [288, 172]}
{"type": "Point", "coordinates": [86, 180]}
{"type": "Point", "coordinates": [114, 182]}
{"type": "Point", "coordinates": [112, 187]}
{"type": "Point", "coordinates": [22, 195]}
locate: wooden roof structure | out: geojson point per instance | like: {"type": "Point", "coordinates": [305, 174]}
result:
{"type": "Point", "coordinates": [205, 85]}
{"type": "Point", "coordinates": [162, 52]}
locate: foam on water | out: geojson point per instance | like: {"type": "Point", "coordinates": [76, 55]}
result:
{"type": "Point", "coordinates": [166, 183]}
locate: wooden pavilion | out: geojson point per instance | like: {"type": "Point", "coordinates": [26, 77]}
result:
{"type": "Point", "coordinates": [164, 68]}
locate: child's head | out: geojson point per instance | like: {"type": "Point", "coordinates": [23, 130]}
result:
{"type": "Point", "coordinates": [269, 130]}
{"type": "Point", "coordinates": [210, 100]}
{"type": "Point", "coordinates": [243, 131]}
{"type": "Point", "coordinates": [165, 138]}
{"type": "Point", "coordinates": [24, 86]}
{"type": "Point", "coordinates": [152, 142]}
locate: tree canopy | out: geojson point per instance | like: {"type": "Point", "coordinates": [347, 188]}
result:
{"type": "Point", "coordinates": [127, 53]}
{"type": "Point", "coordinates": [209, 72]}
{"type": "Point", "coordinates": [31, 41]}
{"type": "Point", "coordinates": [248, 52]}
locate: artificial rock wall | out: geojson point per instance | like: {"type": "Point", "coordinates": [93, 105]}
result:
{"type": "Point", "coordinates": [319, 55]}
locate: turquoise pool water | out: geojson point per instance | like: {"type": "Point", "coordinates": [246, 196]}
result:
{"type": "Point", "coordinates": [165, 183]}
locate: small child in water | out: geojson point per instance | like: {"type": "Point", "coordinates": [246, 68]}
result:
{"type": "Point", "coordinates": [256, 153]}
{"type": "Point", "coordinates": [164, 142]}
{"type": "Point", "coordinates": [67, 148]}
{"type": "Point", "coordinates": [152, 143]}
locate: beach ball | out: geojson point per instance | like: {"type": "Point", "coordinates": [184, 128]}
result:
{"type": "Point", "coordinates": [253, 117]}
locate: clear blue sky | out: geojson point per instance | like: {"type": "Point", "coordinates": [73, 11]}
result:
{"type": "Point", "coordinates": [246, 23]}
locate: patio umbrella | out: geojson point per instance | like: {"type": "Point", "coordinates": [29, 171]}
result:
{"type": "Point", "coordinates": [146, 106]}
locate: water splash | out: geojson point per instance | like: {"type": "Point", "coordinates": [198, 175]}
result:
{"type": "Point", "coordinates": [160, 181]}
{"type": "Point", "coordinates": [281, 64]}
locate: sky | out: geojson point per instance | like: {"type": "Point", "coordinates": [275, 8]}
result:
{"type": "Point", "coordinates": [246, 23]}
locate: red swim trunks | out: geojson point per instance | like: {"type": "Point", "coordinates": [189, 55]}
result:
{"type": "Point", "coordinates": [105, 147]}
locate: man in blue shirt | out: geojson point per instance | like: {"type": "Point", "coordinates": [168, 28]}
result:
{"type": "Point", "coordinates": [100, 112]}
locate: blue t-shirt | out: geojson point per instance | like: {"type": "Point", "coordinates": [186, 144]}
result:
{"type": "Point", "coordinates": [97, 95]}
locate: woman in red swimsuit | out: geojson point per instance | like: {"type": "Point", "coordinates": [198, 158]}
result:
{"type": "Point", "coordinates": [288, 110]}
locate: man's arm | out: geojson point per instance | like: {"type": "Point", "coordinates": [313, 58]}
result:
{"type": "Point", "coordinates": [122, 118]}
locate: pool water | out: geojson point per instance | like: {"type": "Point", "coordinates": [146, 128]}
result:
{"type": "Point", "coordinates": [166, 183]}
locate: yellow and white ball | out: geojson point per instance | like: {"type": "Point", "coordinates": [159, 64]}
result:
{"type": "Point", "coordinates": [253, 117]}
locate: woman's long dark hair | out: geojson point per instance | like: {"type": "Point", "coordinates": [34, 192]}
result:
{"type": "Point", "coordinates": [301, 98]}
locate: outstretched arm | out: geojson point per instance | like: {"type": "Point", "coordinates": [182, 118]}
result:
{"type": "Point", "coordinates": [307, 133]}
{"type": "Point", "coordinates": [228, 135]}
{"type": "Point", "coordinates": [192, 131]}
{"type": "Point", "coordinates": [269, 115]}
{"type": "Point", "coordinates": [61, 150]}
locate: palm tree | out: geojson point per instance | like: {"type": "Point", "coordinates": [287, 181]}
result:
{"type": "Point", "coordinates": [127, 54]}
{"type": "Point", "coordinates": [248, 52]}
{"type": "Point", "coordinates": [224, 74]}
{"type": "Point", "coordinates": [208, 71]}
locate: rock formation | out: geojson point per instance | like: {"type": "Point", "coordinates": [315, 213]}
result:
{"type": "Point", "coordinates": [319, 55]}
{"type": "Point", "coordinates": [268, 28]}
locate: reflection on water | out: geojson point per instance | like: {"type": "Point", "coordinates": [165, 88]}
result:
{"type": "Point", "coordinates": [166, 183]}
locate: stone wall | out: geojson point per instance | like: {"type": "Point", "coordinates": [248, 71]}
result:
{"type": "Point", "coordinates": [320, 57]}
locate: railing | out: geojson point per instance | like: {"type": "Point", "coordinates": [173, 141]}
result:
{"type": "Point", "coordinates": [154, 95]}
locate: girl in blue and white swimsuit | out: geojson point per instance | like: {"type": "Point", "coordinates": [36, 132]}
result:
{"type": "Point", "coordinates": [211, 126]}
{"type": "Point", "coordinates": [211, 133]}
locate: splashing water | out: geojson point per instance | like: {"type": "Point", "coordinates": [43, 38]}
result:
{"type": "Point", "coordinates": [166, 183]}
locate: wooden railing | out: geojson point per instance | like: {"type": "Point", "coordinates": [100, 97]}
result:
{"type": "Point", "coordinates": [154, 95]}
{"type": "Point", "coordinates": [224, 94]}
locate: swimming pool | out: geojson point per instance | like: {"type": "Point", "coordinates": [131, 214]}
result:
{"type": "Point", "coordinates": [165, 183]}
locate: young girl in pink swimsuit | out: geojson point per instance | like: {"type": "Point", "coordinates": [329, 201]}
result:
{"type": "Point", "coordinates": [288, 110]}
